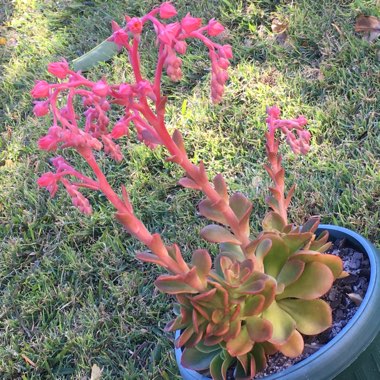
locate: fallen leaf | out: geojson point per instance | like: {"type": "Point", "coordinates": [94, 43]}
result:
{"type": "Point", "coordinates": [355, 298]}
{"type": "Point", "coordinates": [279, 26]}
{"type": "Point", "coordinates": [369, 25]}
{"type": "Point", "coordinates": [29, 361]}
{"type": "Point", "coordinates": [3, 40]}
{"type": "Point", "coordinates": [96, 372]}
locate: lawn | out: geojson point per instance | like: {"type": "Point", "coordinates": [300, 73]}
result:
{"type": "Point", "coordinates": [72, 293]}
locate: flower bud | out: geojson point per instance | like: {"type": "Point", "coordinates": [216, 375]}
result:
{"type": "Point", "coordinates": [41, 108]}
{"type": "Point", "coordinates": [100, 88]}
{"type": "Point", "coordinates": [223, 63]}
{"type": "Point", "coordinates": [120, 129]}
{"type": "Point", "coordinates": [189, 23]}
{"type": "Point", "coordinates": [59, 69]}
{"type": "Point", "coordinates": [214, 28]}
{"type": "Point", "coordinates": [165, 37]}
{"type": "Point", "coordinates": [40, 89]}
{"type": "Point", "coordinates": [180, 47]}
{"type": "Point", "coordinates": [135, 25]}
{"type": "Point", "coordinates": [226, 51]}
{"type": "Point", "coordinates": [167, 10]}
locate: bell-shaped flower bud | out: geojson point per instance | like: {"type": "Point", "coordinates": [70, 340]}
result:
{"type": "Point", "coordinates": [135, 26]}
{"type": "Point", "coordinates": [214, 28]}
{"type": "Point", "coordinates": [190, 24]}
{"type": "Point", "coordinates": [226, 51]}
{"type": "Point", "coordinates": [167, 10]}
{"type": "Point", "coordinates": [165, 37]}
{"type": "Point", "coordinates": [40, 89]}
{"type": "Point", "coordinates": [100, 88]}
{"type": "Point", "coordinates": [180, 47]}
{"type": "Point", "coordinates": [50, 181]}
{"type": "Point", "coordinates": [50, 141]}
{"type": "Point", "coordinates": [120, 129]}
{"type": "Point", "coordinates": [112, 149]}
{"type": "Point", "coordinates": [119, 36]}
{"type": "Point", "coordinates": [59, 69]}
{"type": "Point", "coordinates": [41, 108]}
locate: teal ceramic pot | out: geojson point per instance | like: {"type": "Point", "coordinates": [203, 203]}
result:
{"type": "Point", "coordinates": [354, 354]}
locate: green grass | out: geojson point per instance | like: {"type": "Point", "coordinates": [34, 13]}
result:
{"type": "Point", "coordinates": [71, 292]}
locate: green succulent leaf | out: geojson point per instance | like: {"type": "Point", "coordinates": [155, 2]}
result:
{"type": "Point", "coordinates": [234, 252]}
{"type": "Point", "coordinates": [277, 256]}
{"type": "Point", "coordinates": [290, 272]}
{"type": "Point", "coordinates": [173, 285]}
{"type": "Point", "coordinates": [196, 360]}
{"type": "Point", "coordinates": [218, 234]}
{"type": "Point", "coordinates": [315, 281]}
{"type": "Point", "coordinates": [273, 222]}
{"type": "Point", "coordinates": [240, 205]}
{"type": "Point", "coordinates": [100, 53]}
{"type": "Point", "coordinates": [207, 349]}
{"type": "Point", "coordinates": [294, 346]}
{"type": "Point", "coordinates": [253, 305]}
{"type": "Point", "coordinates": [258, 353]}
{"type": "Point", "coordinates": [241, 344]}
{"type": "Point", "coordinates": [208, 210]}
{"type": "Point", "coordinates": [311, 316]}
{"type": "Point", "coordinates": [296, 241]}
{"type": "Point", "coordinates": [259, 329]}
{"type": "Point", "coordinates": [202, 261]}
{"type": "Point", "coordinates": [247, 370]}
{"type": "Point", "coordinates": [220, 186]}
{"type": "Point", "coordinates": [216, 368]}
{"type": "Point", "coordinates": [321, 244]}
{"type": "Point", "coordinates": [311, 225]}
{"type": "Point", "coordinates": [263, 248]}
{"type": "Point", "coordinates": [283, 324]}
{"type": "Point", "coordinates": [333, 262]}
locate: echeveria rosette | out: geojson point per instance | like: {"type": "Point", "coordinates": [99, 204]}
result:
{"type": "Point", "coordinates": [223, 325]}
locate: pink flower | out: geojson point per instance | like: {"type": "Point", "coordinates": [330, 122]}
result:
{"type": "Point", "coordinates": [167, 10]}
{"type": "Point", "coordinates": [180, 47]}
{"type": "Point", "coordinates": [135, 25]}
{"type": "Point", "coordinates": [112, 149]}
{"type": "Point", "coordinates": [40, 89]}
{"type": "Point", "coordinates": [60, 164]}
{"type": "Point", "coordinates": [119, 36]}
{"type": "Point", "coordinates": [120, 129]}
{"type": "Point", "coordinates": [49, 180]}
{"type": "Point", "coordinates": [59, 69]}
{"type": "Point", "coordinates": [144, 88]}
{"type": "Point", "coordinates": [274, 112]}
{"type": "Point", "coordinates": [173, 66]}
{"type": "Point", "coordinates": [190, 24]}
{"type": "Point", "coordinates": [100, 88]}
{"type": "Point", "coordinates": [165, 37]}
{"type": "Point", "coordinates": [226, 51]}
{"type": "Point", "coordinates": [41, 108]}
{"type": "Point", "coordinates": [51, 140]}
{"type": "Point", "coordinates": [78, 200]}
{"type": "Point", "coordinates": [125, 89]}
{"type": "Point", "coordinates": [214, 28]}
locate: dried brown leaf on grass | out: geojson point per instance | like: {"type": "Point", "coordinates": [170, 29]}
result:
{"type": "Point", "coordinates": [96, 372]}
{"type": "Point", "coordinates": [279, 27]}
{"type": "Point", "coordinates": [369, 25]}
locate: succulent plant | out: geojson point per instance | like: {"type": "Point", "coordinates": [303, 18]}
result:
{"type": "Point", "coordinates": [261, 293]}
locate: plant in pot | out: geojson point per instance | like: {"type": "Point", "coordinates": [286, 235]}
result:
{"type": "Point", "coordinates": [262, 293]}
